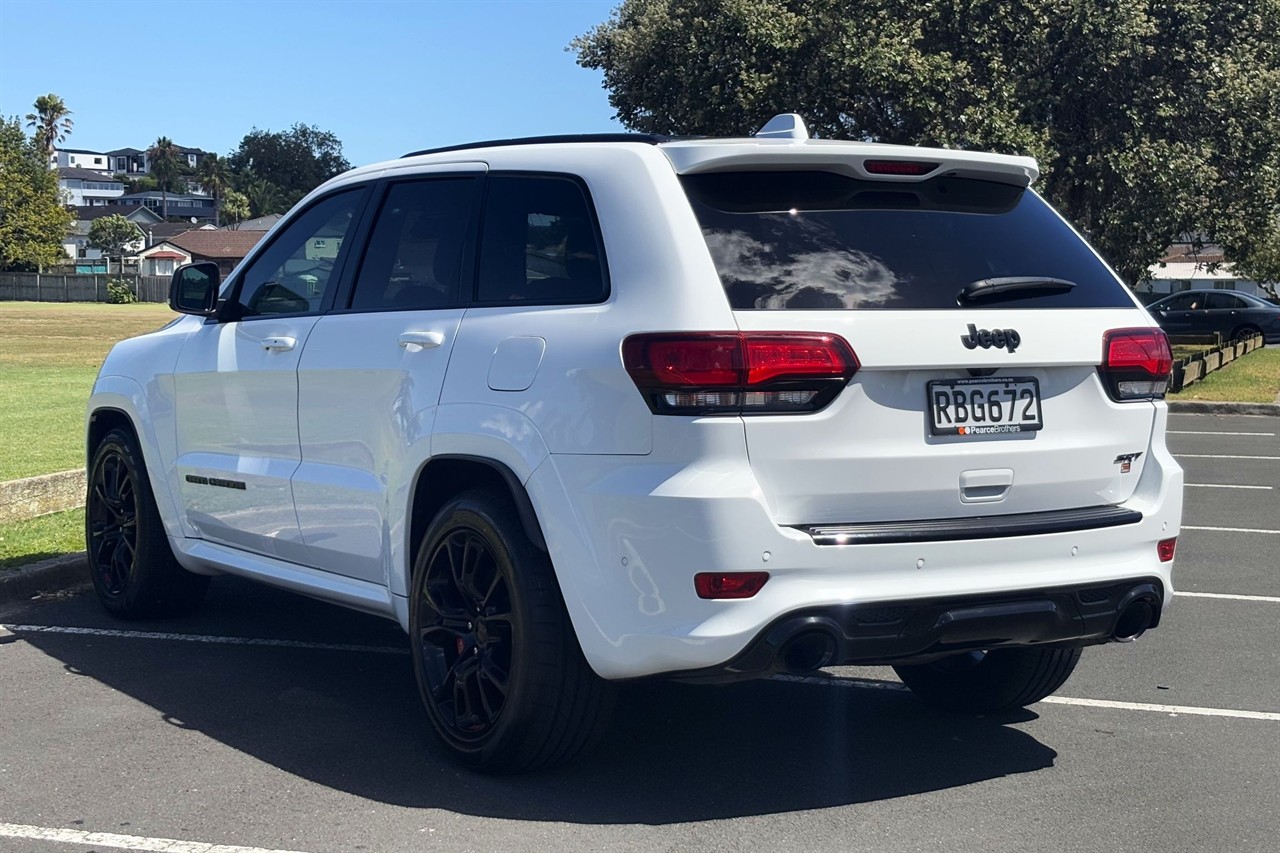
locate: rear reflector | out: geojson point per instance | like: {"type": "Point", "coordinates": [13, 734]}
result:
{"type": "Point", "coordinates": [729, 584]}
{"type": "Point", "coordinates": [1165, 549]}
{"type": "Point", "coordinates": [1136, 364]}
{"type": "Point", "coordinates": [730, 373]}
{"type": "Point", "coordinates": [898, 167]}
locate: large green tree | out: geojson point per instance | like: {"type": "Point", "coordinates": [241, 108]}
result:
{"type": "Point", "coordinates": [165, 165]}
{"type": "Point", "coordinates": [52, 123]}
{"type": "Point", "coordinates": [214, 177]}
{"type": "Point", "coordinates": [33, 221]}
{"type": "Point", "coordinates": [1152, 119]}
{"type": "Point", "coordinates": [114, 235]}
{"type": "Point", "coordinates": [292, 162]}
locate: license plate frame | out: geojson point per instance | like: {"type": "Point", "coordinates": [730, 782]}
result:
{"type": "Point", "coordinates": [1024, 413]}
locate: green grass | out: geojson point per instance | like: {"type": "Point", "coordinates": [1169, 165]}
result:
{"type": "Point", "coordinates": [36, 539]}
{"type": "Point", "coordinates": [1252, 378]}
{"type": "Point", "coordinates": [49, 356]}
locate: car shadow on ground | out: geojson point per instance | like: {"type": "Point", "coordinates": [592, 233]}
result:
{"type": "Point", "coordinates": [673, 754]}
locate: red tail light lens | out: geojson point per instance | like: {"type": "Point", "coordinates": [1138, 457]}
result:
{"type": "Point", "coordinates": [1136, 363]}
{"type": "Point", "coordinates": [1165, 549]}
{"type": "Point", "coordinates": [729, 584]}
{"type": "Point", "coordinates": [708, 373]}
{"type": "Point", "coordinates": [898, 167]}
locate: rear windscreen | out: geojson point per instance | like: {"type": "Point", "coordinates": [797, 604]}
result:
{"type": "Point", "coordinates": [814, 241]}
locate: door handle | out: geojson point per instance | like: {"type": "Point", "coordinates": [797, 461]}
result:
{"type": "Point", "coordinates": [279, 344]}
{"type": "Point", "coordinates": [414, 341]}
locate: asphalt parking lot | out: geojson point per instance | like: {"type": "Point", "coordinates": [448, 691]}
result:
{"type": "Point", "coordinates": [270, 723]}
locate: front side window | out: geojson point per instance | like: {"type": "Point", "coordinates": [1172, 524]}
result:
{"type": "Point", "coordinates": [539, 243]}
{"type": "Point", "coordinates": [293, 275]}
{"type": "Point", "coordinates": [414, 258]}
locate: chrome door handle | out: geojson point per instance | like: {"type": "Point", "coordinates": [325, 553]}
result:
{"type": "Point", "coordinates": [279, 344]}
{"type": "Point", "coordinates": [421, 340]}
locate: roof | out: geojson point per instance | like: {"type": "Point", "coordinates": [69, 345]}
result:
{"type": "Point", "coordinates": [645, 138]}
{"type": "Point", "coordinates": [167, 256]}
{"type": "Point", "coordinates": [164, 230]}
{"type": "Point", "coordinates": [79, 151]}
{"type": "Point", "coordinates": [260, 223]}
{"type": "Point", "coordinates": [174, 198]}
{"type": "Point", "coordinates": [1187, 253]}
{"type": "Point", "coordinates": [88, 213]}
{"type": "Point", "coordinates": [71, 173]}
{"type": "Point", "coordinates": [123, 152]}
{"type": "Point", "coordinates": [216, 243]}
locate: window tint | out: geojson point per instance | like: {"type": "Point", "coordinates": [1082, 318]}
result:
{"type": "Point", "coordinates": [414, 259]}
{"type": "Point", "coordinates": [1224, 301]}
{"type": "Point", "coordinates": [811, 240]}
{"type": "Point", "coordinates": [1180, 303]}
{"type": "Point", "coordinates": [295, 271]}
{"type": "Point", "coordinates": [538, 243]}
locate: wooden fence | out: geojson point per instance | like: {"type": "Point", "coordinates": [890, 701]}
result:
{"type": "Point", "coordinates": [56, 287]}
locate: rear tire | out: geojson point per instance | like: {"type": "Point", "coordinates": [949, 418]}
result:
{"type": "Point", "coordinates": [498, 666]}
{"type": "Point", "coordinates": [1244, 333]}
{"type": "Point", "coordinates": [131, 563]}
{"type": "Point", "coordinates": [984, 682]}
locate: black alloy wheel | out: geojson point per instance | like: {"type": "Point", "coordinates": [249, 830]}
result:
{"type": "Point", "coordinates": [112, 522]}
{"type": "Point", "coordinates": [465, 634]}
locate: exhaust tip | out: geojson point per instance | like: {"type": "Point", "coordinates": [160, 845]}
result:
{"type": "Point", "coordinates": [807, 652]}
{"type": "Point", "coordinates": [1134, 620]}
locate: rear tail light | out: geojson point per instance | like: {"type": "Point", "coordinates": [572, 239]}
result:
{"type": "Point", "coordinates": [729, 584]}
{"type": "Point", "coordinates": [1136, 364]}
{"type": "Point", "coordinates": [898, 167]}
{"type": "Point", "coordinates": [732, 373]}
{"type": "Point", "coordinates": [1165, 549]}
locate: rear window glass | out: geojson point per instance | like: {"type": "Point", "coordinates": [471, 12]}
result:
{"type": "Point", "coordinates": [812, 240]}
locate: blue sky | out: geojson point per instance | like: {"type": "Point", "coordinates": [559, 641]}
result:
{"type": "Point", "coordinates": [386, 77]}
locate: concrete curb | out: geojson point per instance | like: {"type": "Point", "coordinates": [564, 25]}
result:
{"type": "Point", "coordinates": [35, 496]}
{"type": "Point", "coordinates": [56, 573]}
{"type": "Point", "coordinates": [1205, 407]}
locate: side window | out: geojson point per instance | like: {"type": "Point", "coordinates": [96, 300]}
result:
{"type": "Point", "coordinates": [414, 259]}
{"type": "Point", "coordinates": [1225, 301]}
{"type": "Point", "coordinates": [538, 243]}
{"type": "Point", "coordinates": [295, 271]}
{"type": "Point", "coordinates": [1181, 303]}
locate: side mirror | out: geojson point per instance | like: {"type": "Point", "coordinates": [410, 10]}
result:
{"type": "Point", "coordinates": [194, 289]}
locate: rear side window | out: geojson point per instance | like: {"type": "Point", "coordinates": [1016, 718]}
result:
{"type": "Point", "coordinates": [414, 258]}
{"type": "Point", "coordinates": [1222, 301]}
{"type": "Point", "coordinates": [539, 243]}
{"type": "Point", "coordinates": [814, 240]}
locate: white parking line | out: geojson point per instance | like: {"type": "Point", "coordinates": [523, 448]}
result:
{"type": "Point", "coordinates": [1232, 596]}
{"type": "Point", "coordinates": [1234, 529]}
{"type": "Point", "coordinates": [867, 684]}
{"type": "Point", "coordinates": [1223, 486]}
{"type": "Point", "coordinates": [203, 638]}
{"type": "Point", "coordinates": [122, 842]}
{"type": "Point", "coordinates": [1217, 456]}
{"type": "Point", "coordinates": [1205, 432]}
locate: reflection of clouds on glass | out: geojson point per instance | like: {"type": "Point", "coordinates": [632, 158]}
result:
{"type": "Point", "coordinates": [816, 277]}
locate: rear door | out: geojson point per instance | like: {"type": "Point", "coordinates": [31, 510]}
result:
{"type": "Point", "coordinates": [978, 318]}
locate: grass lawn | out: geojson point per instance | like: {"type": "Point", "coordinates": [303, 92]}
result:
{"type": "Point", "coordinates": [37, 539]}
{"type": "Point", "coordinates": [1253, 378]}
{"type": "Point", "coordinates": [50, 353]}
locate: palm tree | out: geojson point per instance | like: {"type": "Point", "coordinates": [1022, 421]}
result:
{"type": "Point", "coordinates": [214, 177]}
{"type": "Point", "coordinates": [163, 159]}
{"type": "Point", "coordinates": [51, 123]}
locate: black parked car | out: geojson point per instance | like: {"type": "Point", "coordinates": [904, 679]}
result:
{"type": "Point", "coordinates": [1227, 312]}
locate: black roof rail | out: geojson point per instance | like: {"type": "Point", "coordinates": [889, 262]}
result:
{"type": "Point", "coordinates": [644, 138]}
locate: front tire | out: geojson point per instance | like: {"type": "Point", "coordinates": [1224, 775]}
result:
{"type": "Point", "coordinates": [498, 666]}
{"type": "Point", "coordinates": [985, 682]}
{"type": "Point", "coordinates": [132, 566]}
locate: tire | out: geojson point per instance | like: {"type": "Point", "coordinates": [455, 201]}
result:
{"type": "Point", "coordinates": [498, 666]}
{"type": "Point", "coordinates": [130, 561]}
{"type": "Point", "coordinates": [981, 682]}
{"type": "Point", "coordinates": [1245, 332]}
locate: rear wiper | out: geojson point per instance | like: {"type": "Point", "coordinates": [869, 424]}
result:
{"type": "Point", "coordinates": [1013, 287]}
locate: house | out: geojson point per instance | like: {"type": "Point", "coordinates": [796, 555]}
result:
{"type": "Point", "coordinates": [87, 188]}
{"type": "Point", "coordinates": [226, 248]}
{"type": "Point", "coordinates": [80, 158]}
{"type": "Point", "coordinates": [76, 242]}
{"type": "Point", "coordinates": [128, 161]}
{"type": "Point", "coordinates": [162, 231]}
{"type": "Point", "coordinates": [162, 259]}
{"type": "Point", "coordinates": [185, 206]}
{"type": "Point", "coordinates": [1186, 267]}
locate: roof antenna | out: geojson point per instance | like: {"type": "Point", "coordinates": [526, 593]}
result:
{"type": "Point", "coordinates": [784, 126]}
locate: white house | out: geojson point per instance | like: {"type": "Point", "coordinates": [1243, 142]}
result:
{"type": "Point", "coordinates": [162, 259]}
{"type": "Point", "coordinates": [80, 158]}
{"type": "Point", "coordinates": [1185, 268]}
{"type": "Point", "coordinates": [87, 188]}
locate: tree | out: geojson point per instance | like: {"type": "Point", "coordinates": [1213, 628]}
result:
{"type": "Point", "coordinates": [1150, 120]}
{"type": "Point", "coordinates": [33, 221]}
{"type": "Point", "coordinates": [293, 162]}
{"type": "Point", "coordinates": [52, 123]}
{"type": "Point", "coordinates": [114, 235]}
{"type": "Point", "coordinates": [1263, 263]}
{"type": "Point", "coordinates": [214, 177]}
{"type": "Point", "coordinates": [165, 167]}
{"type": "Point", "coordinates": [235, 207]}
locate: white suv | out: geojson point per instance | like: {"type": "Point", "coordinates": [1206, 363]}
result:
{"type": "Point", "coordinates": [577, 410]}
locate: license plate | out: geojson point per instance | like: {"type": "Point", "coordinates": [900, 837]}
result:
{"type": "Point", "coordinates": [986, 406]}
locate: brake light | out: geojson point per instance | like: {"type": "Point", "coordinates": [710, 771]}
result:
{"type": "Point", "coordinates": [898, 167]}
{"type": "Point", "coordinates": [729, 584]}
{"type": "Point", "coordinates": [1136, 364]}
{"type": "Point", "coordinates": [1165, 549]}
{"type": "Point", "coordinates": [731, 373]}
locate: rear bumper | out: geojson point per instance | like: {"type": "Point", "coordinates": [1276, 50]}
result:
{"type": "Point", "coordinates": [917, 630]}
